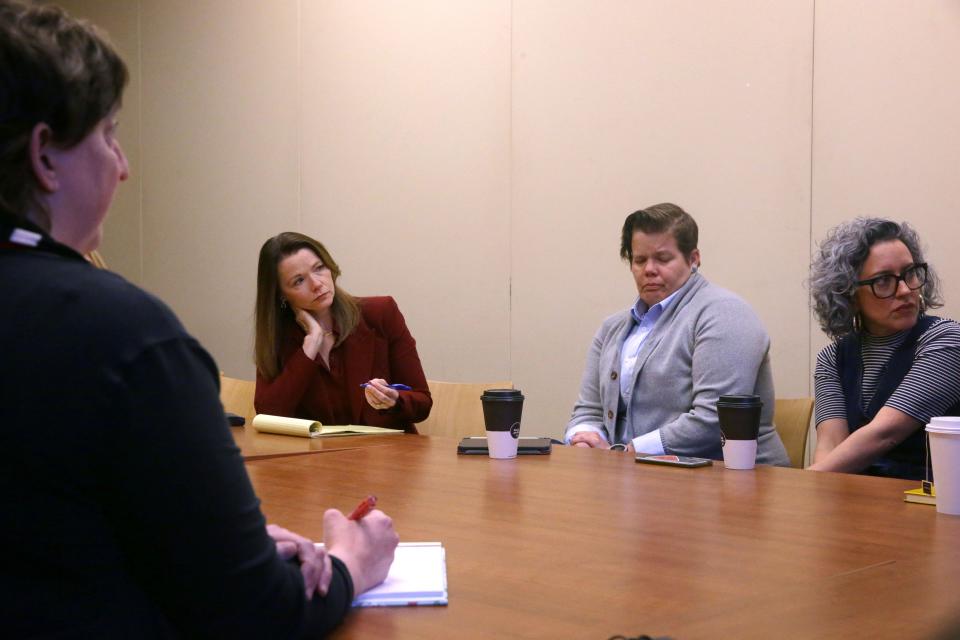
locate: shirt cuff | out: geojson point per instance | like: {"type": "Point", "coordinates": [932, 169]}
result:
{"type": "Point", "coordinates": [584, 427]}
{"type": "Point", "coordinates": [649, 443]}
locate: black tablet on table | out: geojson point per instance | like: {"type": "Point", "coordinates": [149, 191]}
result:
{"type": "Point", "coordinates": [526, 446]}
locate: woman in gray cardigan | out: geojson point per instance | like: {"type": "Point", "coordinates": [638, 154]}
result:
{"type": "Point", "coordinates": [654, 372]}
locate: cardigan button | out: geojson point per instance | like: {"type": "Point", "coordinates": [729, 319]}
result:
{"type": "Point", "coordinates": [610, 414]}
{"type": "Point", "coordinates": [613, 375]}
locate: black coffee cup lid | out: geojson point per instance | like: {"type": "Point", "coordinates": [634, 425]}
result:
{"type": "Point", "coordinates": [735, 400]}
{"type": "Point", "coordinates": [502, 394]}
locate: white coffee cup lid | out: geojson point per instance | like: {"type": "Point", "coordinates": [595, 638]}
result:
{"type": "Point", "coordinates": [944, 424]}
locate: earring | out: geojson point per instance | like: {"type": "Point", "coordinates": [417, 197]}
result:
{"type": "Point", "coordinates": [923, 306]}
{"type": "Point", "coordinates": [856, 322]}
{"type": "Point", "coordinates": [283, 303]}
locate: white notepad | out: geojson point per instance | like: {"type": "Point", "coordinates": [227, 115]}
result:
{"type": "Point", "coordinates": [417, 577]}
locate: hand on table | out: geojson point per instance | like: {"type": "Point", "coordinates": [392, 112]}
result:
{"type": "Point", "coordinates": [315, 564]}
{"type": "Point", "coordinates": [590, 439]}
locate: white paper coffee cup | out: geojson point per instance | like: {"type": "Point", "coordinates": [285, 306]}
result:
{"type": "Point", "coordinates": [944, 435]}
{"type": "Point", "coordinates": [503, 444]}
{"type": "Point", "coordinates": [502, 409]}
{"type": "Point", "coordinates": [739, 454]}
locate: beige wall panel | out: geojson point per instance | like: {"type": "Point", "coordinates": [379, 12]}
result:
{"type": "Point", "coordinates": [405, 133]}
{"type": "Point", "coordinates": [220, 162]}
{"type": "Point", "coordinates": [121, 237]}
{"type": "Point", "coordinates": [476, 160]}
{"type": "Point", "coordinates": [619, 105]}
{"type": "Point", "coordinates": [886, 130]}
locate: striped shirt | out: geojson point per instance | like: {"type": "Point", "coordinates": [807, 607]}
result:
{"type": "Point", "coordinates": [930, 387]}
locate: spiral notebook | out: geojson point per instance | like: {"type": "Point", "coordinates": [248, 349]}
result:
{"type": "Point", "coordinates": [417, 577]}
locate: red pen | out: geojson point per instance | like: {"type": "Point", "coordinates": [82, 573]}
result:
{"type": "Point", "coordinates": [365, 507]}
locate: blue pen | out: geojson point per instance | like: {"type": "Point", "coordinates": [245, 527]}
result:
{"type": "Point", "coordinates": [396, 385]}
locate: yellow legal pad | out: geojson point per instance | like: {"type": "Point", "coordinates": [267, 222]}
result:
{"type": "Point", "coordinates": [313, 429]}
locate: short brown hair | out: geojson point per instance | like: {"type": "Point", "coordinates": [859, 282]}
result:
{"type": "Point", "coordinates": [55, 70]}
{"type": "Point", "coordinates": [269, 315]}
{"type": "Point", "coordinates": [660, 218]}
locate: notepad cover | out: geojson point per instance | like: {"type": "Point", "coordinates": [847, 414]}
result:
{"type": "Point", "coordinates": [287, 426]}
{"type": "Point", "coordinates": [417, 577]}
{"type": "Point", "coordinates": [356, 430]}
{"type": "Point", "coordinates": [282, 425]}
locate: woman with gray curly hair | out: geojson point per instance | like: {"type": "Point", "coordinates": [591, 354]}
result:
{"type": "Point", "coordinates": [892, 367]}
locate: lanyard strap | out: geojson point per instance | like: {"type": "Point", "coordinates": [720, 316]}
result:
{"type": "Point", "coordinates": [13, 237]}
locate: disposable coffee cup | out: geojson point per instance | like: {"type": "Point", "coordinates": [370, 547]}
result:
{"type": "Point", "coordinates": [501, 415]}
{"type": "Point", "coordinates": [739, 427]}
{"type": "Point", "coordinates": [944, 434]}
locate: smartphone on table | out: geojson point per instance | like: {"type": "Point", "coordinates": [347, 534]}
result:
{"type": "Point", "coordinates": [674, 461]}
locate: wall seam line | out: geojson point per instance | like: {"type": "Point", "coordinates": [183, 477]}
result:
{"type": "Point", "coordinates": [810, 242]}
{"type": "Point", "coordinates": [299, 116]}
{"type": "Point", "coordinates": [140, 153]}
{"type": "Point", "coordinates": [510, 203]}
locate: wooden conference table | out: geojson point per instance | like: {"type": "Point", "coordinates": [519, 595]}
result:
{"type": "Point", "coordinates": [589, 544]}
{"type": "Point", "coordinates": [258, 446]}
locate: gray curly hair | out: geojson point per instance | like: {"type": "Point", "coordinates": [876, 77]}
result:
{"type": "Point", "coordinates": [836, 266]}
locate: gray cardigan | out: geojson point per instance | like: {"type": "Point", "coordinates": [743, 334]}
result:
{"type": "Point", "coordinates": [706, 344]}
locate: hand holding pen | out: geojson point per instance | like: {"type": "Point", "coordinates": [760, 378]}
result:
{"type": "Point", "coordinates": [380, 395]}
{"type": "Point", "coordinates": [366, 506]}
{"type": "Point", "coordinates": [364, 541]}
{"type": "Point", "coordinates": [395, 385]}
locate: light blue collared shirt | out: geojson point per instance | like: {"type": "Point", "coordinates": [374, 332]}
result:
{"type": "Point", "coordinates": [646, 319]}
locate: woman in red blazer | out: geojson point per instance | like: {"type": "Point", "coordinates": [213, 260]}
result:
{"type": "Point", "coordinates": [316, 344]}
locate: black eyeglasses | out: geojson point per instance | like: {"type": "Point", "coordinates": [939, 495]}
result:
{"type": "Point", "coordinates": [885, 286]}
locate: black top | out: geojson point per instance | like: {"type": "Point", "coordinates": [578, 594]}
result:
{"type": "Point", "coordinates": [928, 389]}
{"type": "Point", "coordinates": [908, 458]}
{"type": "Point", "coordinates": [127, 511]}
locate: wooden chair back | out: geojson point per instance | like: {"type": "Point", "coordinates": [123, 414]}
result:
{"type": "Point", "coordinates": [457, 411]}
{"type": "Point", "coordinates": [96, 259]}
{"type": "Point", "coordinates": [791, 416]}
{"type": "Point", "coordinates": [237, 396]}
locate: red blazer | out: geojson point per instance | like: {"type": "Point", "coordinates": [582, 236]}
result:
{"type": "Point", "coordinates": [379, 347]}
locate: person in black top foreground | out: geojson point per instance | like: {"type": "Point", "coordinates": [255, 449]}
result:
{"type": "Point", "coordinates": [127, 511]}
